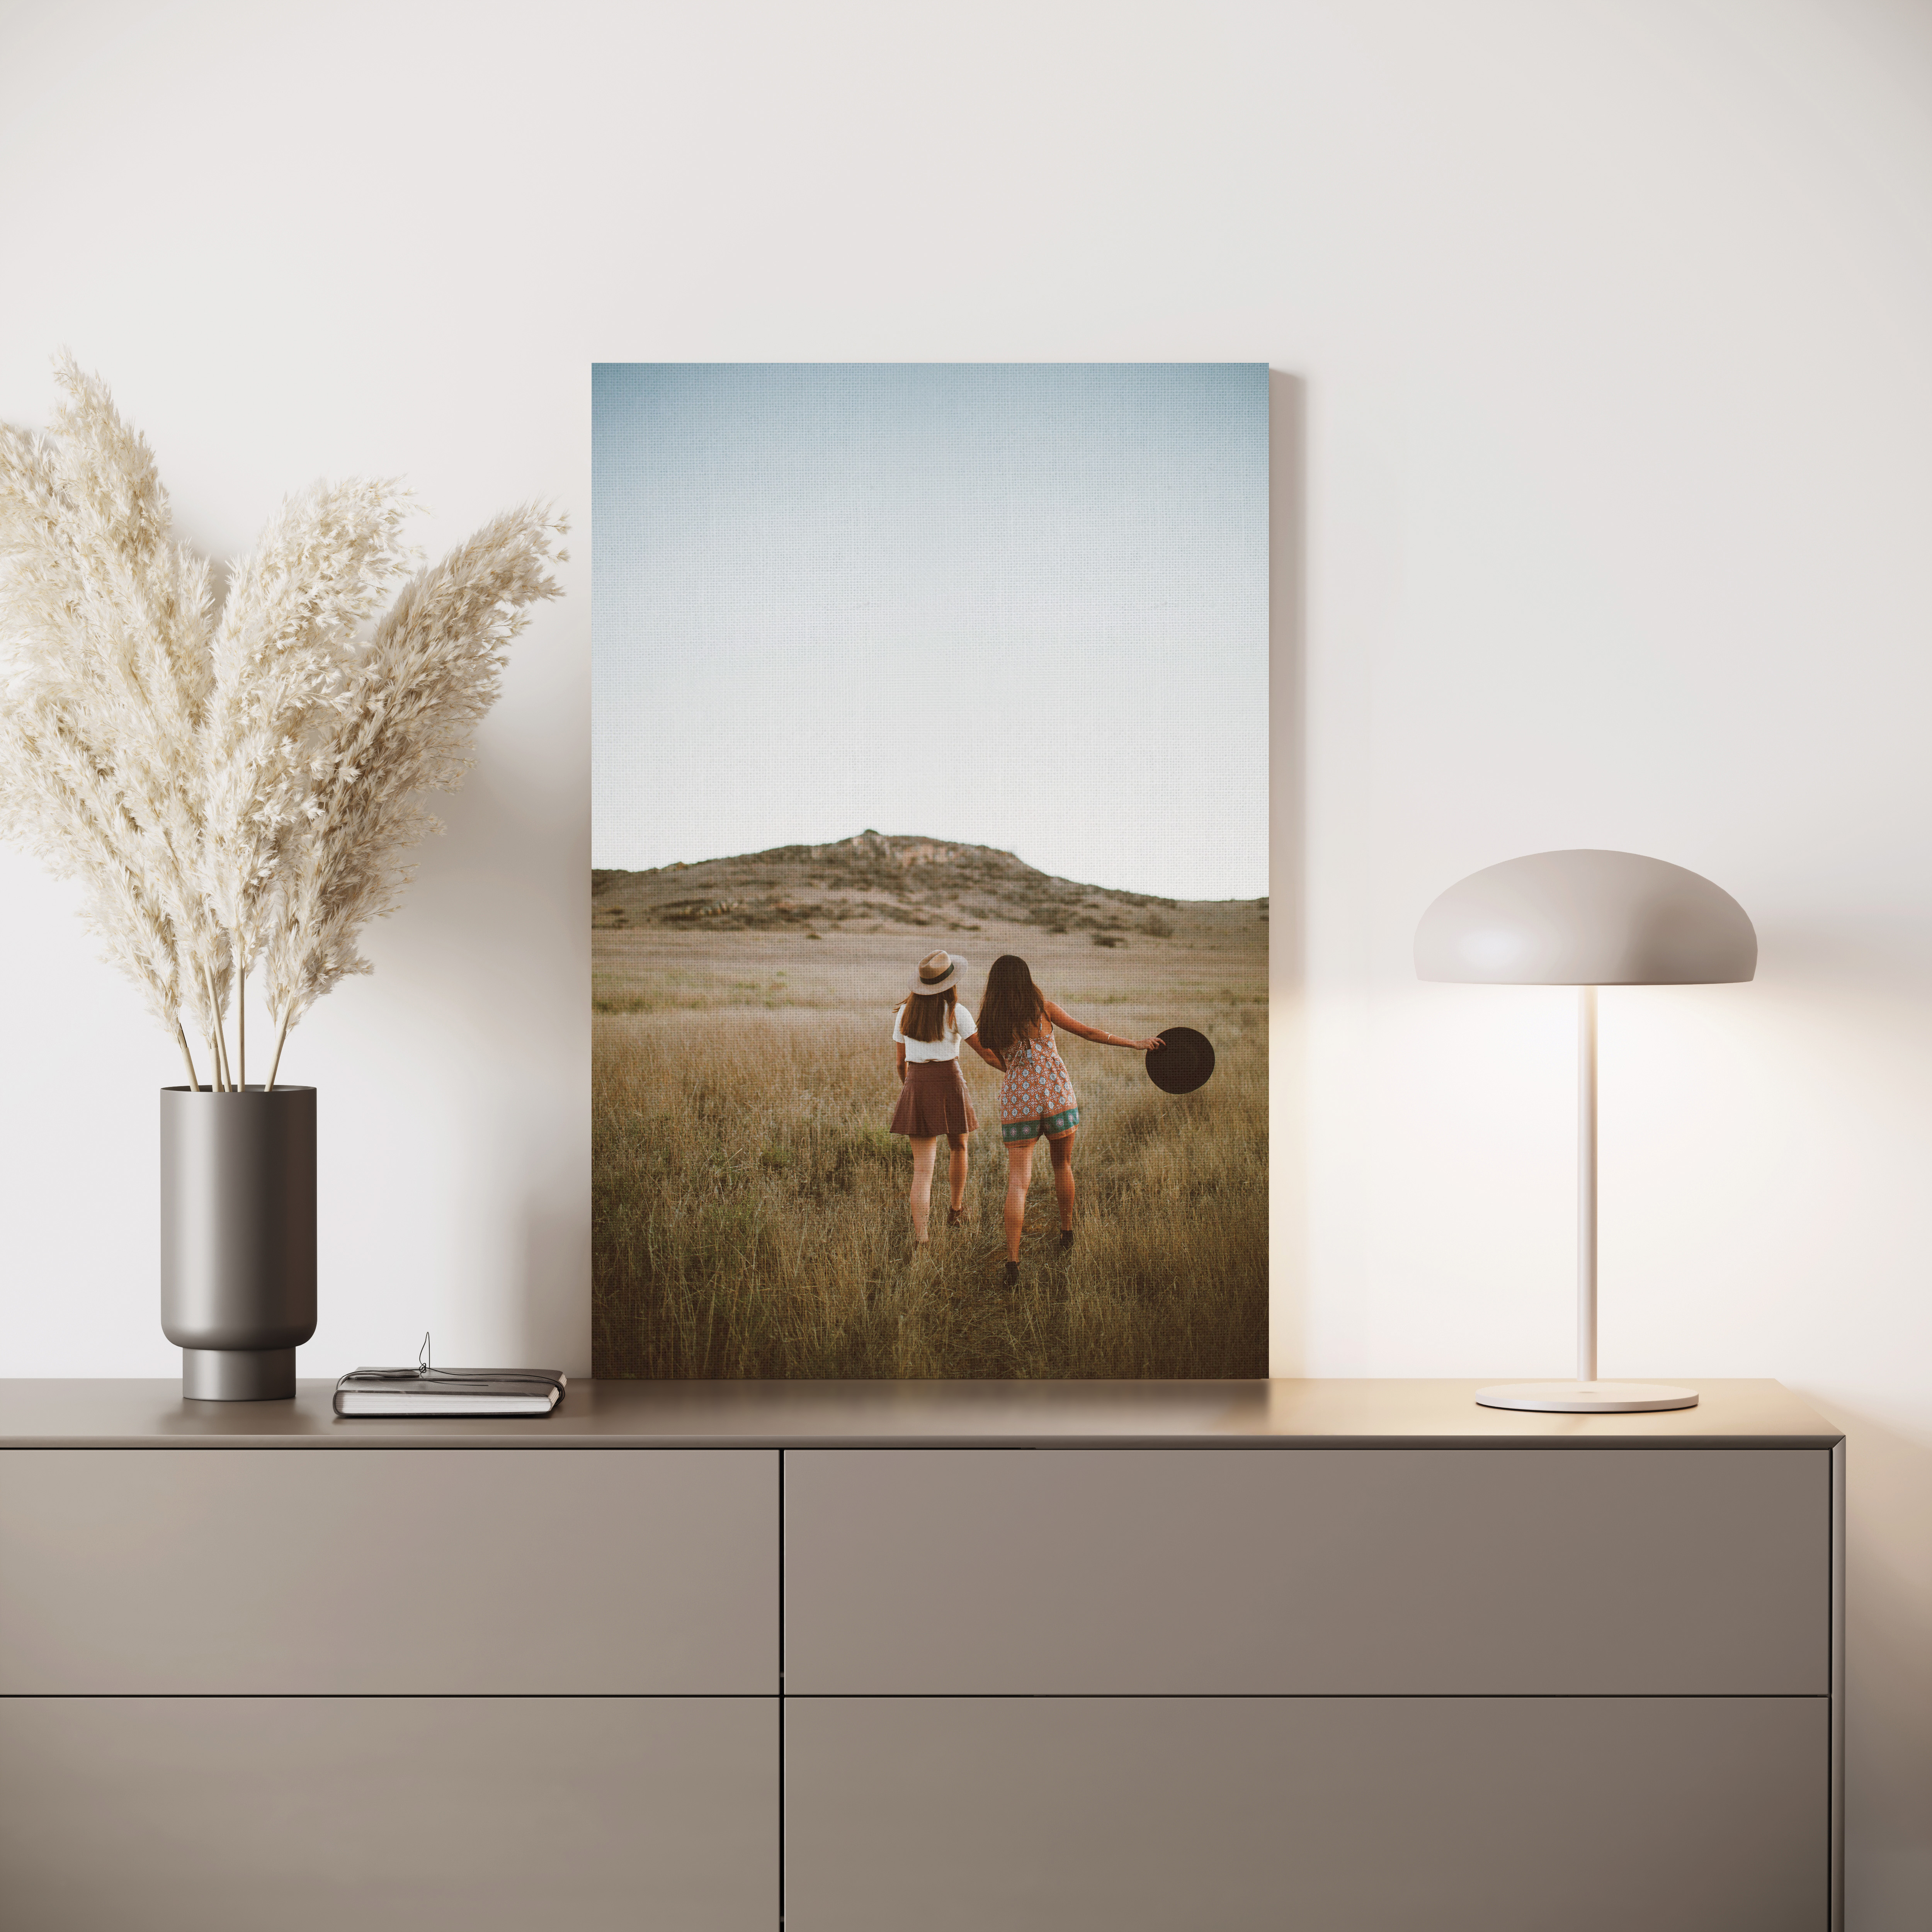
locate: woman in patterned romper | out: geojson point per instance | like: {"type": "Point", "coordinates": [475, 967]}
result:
{"type": "Point", "coordinates": [1037, 1098]}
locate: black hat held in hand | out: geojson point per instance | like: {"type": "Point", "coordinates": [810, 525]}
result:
{"type": "Point", "coordinates": [1182, 1062]}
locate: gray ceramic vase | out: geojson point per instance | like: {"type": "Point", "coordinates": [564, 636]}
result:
{"type": "Point", "coordinates": [238, 1238]}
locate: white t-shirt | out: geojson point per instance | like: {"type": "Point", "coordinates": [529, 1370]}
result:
{"type": "Point", "coordinates": [946, 1047]}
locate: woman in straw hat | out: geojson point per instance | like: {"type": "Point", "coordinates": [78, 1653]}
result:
{"type": "Point", "coordinates": [1037, 1098]}
{"type": "Point", "coordinates": [928, 1031]}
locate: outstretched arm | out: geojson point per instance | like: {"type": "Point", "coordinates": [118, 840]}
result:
{"type": "Point", "coordinates": [1099, 1035]}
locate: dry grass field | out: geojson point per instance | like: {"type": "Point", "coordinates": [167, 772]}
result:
{"type": "Point", "coordinates": [750, 1214]}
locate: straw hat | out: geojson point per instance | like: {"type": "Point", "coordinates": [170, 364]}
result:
{"type": "Point", "coordinates": [938, 971]}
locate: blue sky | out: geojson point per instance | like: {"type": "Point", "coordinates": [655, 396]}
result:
{"type": "Point", "coordinates": [1022, 605]}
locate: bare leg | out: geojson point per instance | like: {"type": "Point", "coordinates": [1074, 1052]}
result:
{"type": "Point", "coordinates": [1019, 1175]}
{"type": "Point", "coordinates": [919, 1199]}
{"type": "Point", "coordinates": [1062, 1151]}
{"type": "Point", "coordinates": [955, 1168]}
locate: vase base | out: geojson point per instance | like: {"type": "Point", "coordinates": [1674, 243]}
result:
{"type": "Point", "coordinates": [238, 1375]}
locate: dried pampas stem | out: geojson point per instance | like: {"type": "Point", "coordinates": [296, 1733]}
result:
{"type": "Point", "coordinates": [281, 1034]}
{"type": "Point", "coordinates": [194, 1085]}
{"type": "Point", "coordinates": [217, 1045]}
{"type": "Point", "coordinates": [234, 789]}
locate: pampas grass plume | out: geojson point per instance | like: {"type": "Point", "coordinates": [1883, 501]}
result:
{"type": "Point", "coordinates": [234, 789]}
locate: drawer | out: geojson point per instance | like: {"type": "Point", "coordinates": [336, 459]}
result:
{"type": "Point", "coordinates": [451, 1571]}
{"type": "Point", "coordinates": [1347, 1572]}
{"type": "Point", "coordinates": [1362, 1815]}
{"type": "Point", "coordinates": [235, 1814]}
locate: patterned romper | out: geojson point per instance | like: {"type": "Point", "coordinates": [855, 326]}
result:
{"type": "Point", "coordinates": [1036, 1096]}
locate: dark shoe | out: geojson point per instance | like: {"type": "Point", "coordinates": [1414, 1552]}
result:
{"type": "Point", "coordinates": [1013, 1274]}
{"type": "Point", "coordinates": [1067, 1237]}
{"type": "Point", "coordinates": [955, 1217]}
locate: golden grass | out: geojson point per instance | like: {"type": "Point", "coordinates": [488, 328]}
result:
{"type": "Point", "coordinates": [750, 1210]}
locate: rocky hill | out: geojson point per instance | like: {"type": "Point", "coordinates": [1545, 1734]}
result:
{"type": "Point", "coordinates": [872, 883]}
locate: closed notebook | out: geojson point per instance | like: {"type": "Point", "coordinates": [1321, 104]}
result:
{"type": "Point", "coordinates": [449, 1392]}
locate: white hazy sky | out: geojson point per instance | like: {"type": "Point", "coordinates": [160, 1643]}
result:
{"type": "Point", "coordinates": [1022, 605]}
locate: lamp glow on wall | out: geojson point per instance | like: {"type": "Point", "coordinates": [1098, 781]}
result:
{"type": "Point", "coordinates": [1585, 920]}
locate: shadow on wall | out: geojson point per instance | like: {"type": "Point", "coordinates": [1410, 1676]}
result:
{"type": "Point", "coordinates": [1288, 524]}
{"type": "Point", "coordinates": [481, 1028]}
{"type": "Point", "coordinates": [551, 1320]}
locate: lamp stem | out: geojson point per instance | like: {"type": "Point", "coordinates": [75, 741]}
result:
{"type": "Point", "coordinates": [1586, 1183]}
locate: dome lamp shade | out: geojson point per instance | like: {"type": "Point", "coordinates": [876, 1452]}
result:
{"type": "Point", "coordinates": [1586, 918]}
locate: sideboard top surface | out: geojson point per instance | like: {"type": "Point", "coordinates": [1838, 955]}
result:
{"type": "Point", "coordinates": [128, 1413]}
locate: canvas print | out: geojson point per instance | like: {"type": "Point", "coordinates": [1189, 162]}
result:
{"type": "Point", "coordinates": [929, 906]}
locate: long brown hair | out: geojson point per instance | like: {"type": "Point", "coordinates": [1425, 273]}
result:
{"type": "Point", "coordinates": [928, 1016]}
{"type": "Point", "coordinates": [1012, 1005]}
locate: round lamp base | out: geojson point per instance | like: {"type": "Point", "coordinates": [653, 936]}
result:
{"type": "Point", "coordinates": [1587, 1398]}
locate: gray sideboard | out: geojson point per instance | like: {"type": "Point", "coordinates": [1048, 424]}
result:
{"type": "Point", "coordinates": [1353, 1655]}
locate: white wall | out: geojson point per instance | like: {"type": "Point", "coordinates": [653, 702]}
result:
{"type": "Point", "coordinates": [1609, 320]}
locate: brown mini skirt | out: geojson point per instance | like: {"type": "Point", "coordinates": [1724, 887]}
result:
{"type": "Point", "coordinates": [933, 1101]}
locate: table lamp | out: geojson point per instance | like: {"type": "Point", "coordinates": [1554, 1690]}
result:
{"type": "Point", "coordinates": [1585, 920]}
